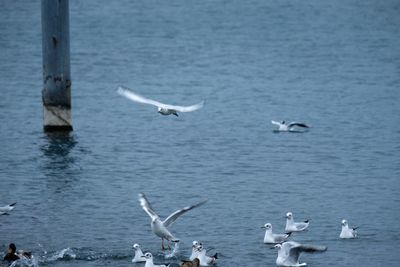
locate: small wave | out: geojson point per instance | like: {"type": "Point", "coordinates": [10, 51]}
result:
{"type": "Point", "coordinates": [80, 254]}
{"type": "Point", "coordinates": [173, 253]}
{"type": "Point", "coordinates": [25, 263]}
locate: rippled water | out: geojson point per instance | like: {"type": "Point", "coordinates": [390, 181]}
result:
{"type": "Point", "coordinates": [335, 65]}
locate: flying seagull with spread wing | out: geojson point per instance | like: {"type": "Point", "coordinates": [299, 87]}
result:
{"type": "Point", "coordinates": [163, 109]}
{"type": "Point", "coordinates": [159, 227]}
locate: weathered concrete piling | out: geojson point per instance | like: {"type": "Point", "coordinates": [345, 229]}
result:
{"type": "Point", "coordinates": [56, 93]}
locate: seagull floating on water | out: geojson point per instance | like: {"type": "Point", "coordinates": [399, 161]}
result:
{"type": "Point", "coordinates": [292, 226]}
{"type": "Point", "coordinates": [347, 232]}
{"type": "Point", "coordinates": [195, 252]}
{"type": "Point", "coordinates": [289, 253]}
{"type": "Point", "coordinates": [192, 263]}
{"type": "Point", "coordinates": [271, 238]}
{"type": "Point", "coordinates": [159, 227]}
{"type": "Point", "coordinates": [163, 109]}
{"type": "Point", "coordinates": [138, 254]}
{"type": "Point", "coordinates": [149, 261]}
{"type": "Point", "coordinates": [6, 209]}
{"type": "Point", "coordinates": [283, 127]}
{"type": "Point", "coordinates": [204, 259]}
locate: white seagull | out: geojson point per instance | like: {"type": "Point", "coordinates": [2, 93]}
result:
{"type": "Point", "coordinates": [163, 109]}
{"type": "Point", "coordinates": [195, 252]}
{"type": "Point", "coordinates": [160, 227]}
{"type": "Point", "coordinates": [6, 209]}
{"type": "Point", "coordinates": [292, 226]}
{"type": "Point", "coordinates": [204, 259]}
{"type": "Point", "coordinates": [347, 232]}
{"type": "Point", "coordinates": [289, 253]}
{"type": "Point", "coordinates": [138, 254]}
{"type": "Point", "coordinates": [283, 127]}
{"type": "Point", "coordinates": [149, 261]}
{"type": "Point", "coordinates": [271, 238]}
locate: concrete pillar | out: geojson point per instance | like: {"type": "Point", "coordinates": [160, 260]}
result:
{"type": "Point", "coordinates": [56, 93]}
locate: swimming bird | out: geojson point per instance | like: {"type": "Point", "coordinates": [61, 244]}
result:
{"type": "Point", "coordinates": [292, 226]}
{"type": "Point", "coordinates": [289, 253]}
{"type": "Point", "coordinates": [138, 254]}
{"type": "Point", "coordinates": [347, 232]}
{"type": "Point", "coordinates": [195, 252]}
{"type": "Point", "coordinates": [159, 227]}
{"type": "Point", "coordinates": [6, 209]}
{"type": "Point", "coordinates": [192, 263]}
{"type": "Point", "coordinates": [149, 261]}
{"type": "Point", "coordinates": [163, 109]}
{"type": "Point", "coordinates": [204, 259]}
{"type": "Point", "coordinates": [283, 127]}
{"type": "Point", "coordinates": [271, 238]}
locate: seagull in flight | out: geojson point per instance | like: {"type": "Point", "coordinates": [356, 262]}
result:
{"type": "Point", "coordinates": [163, 109]}
{"type": "Point", "coordinates": [159, 227]}
{"type": "Point", "coordinates": [271, 238]}
{"type": "Point", "coordinates": [292, 226]}
{"type": "Point", "coordinates": [347, 232]}
{"type": "Point", "coordinates": [289, 253]}
{"type": "Point", "coordinates": [283, 127]}
{"type": "Point", "coordinates": [6, 209]}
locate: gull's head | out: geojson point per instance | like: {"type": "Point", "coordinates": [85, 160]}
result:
{"type": "Point", "coordinates": [282, 122]}
{"type": "Point", "coordinates": [277, 246]}
{"type": "Point", "coordinates": [289, 215]}
{"type": "Point", "coordinates": [199, 247]}
{"type": "Point", "coordinates": [344, 223]}
{"type": "Point", "coordinates": [136, 246]}
{"type": "Point", "coordinates": [159, 109]}
{"type": "Point", "coordinates": [147, 255]}
{"type": "Point", "coordinates": [195, 244]}
{"type": "Point", "coordinates": [267, 226]}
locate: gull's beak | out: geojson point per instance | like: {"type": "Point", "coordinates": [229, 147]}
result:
{"type": "Point", "coordinates": [263, 227]}
{"type": "Point", "coordinates": [272, 248]}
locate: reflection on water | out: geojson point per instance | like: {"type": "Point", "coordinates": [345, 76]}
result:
{"type": "Point", "coordinates": [59, 161]}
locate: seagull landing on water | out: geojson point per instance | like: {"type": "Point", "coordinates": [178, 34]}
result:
{"type": "Point", "coordinates": [347, 232]}
{"type": "Point", "coordinates": [163, 109]}
{"type": "Point", "coordinates": [138, 254]}
{"type": "Point", "coordinates": [159, 227]}
{"type": "Point", "coordinates": [271, 238]}
{"type": "Point", "coordinates": [289, 253]}
{"type": "Point", "coordinates": [6, 209]}
{"type": "Point", "coordinates": [283, 127]}
{"type": "Point", "coordinates": [292, 226]}
{"type": "Point", "coordinates": [149, 261]}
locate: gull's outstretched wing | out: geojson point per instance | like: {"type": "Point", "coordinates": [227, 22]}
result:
{"type": "Point", "coordinates": [187, 108]}
{"type": "Point", "coordinates": [125, 92]}
{"type": "Point", "coordinates": [147, 207]}
{"type": "Point", "coordinates": [276, 123]}
{"type": "Point", "coordinates": [297, 249]}
{"type": "Point", "coordinates": [8, 208]}
{"type": "Point", "coordinates": [171, 218]}
{"type": "Point", "coordinates": [299, 124]}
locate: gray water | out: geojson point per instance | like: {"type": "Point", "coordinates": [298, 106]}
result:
{"type": "Point", "coordinates": [332, 64]}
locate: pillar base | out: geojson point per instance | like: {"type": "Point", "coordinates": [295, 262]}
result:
{"type": "Point", "coordinates": [56, 118]}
